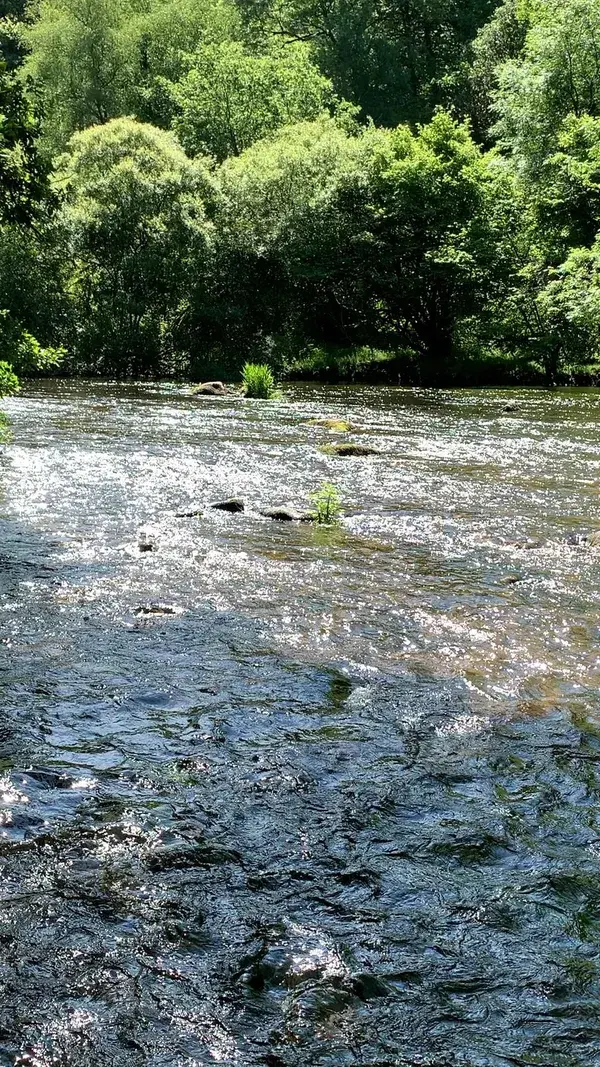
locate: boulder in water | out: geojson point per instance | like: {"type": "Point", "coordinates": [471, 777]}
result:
{"type": "Point", "coordinates": [157, 610]}
{"type": "Point", "coordinates": [577, 538]}
{"type": "Point", "coordinates": [287, 513]}
{"type": "Point", "coordinates": [234, 505]}
{"type": "Point", "coordinates": [350, 448]}
{"type": "Point", "coordinates": [510, 407]}
{"type": "Point", "coordinates": [147, 539]}
{"type": "Point", "coordinates": [209, 389]}
{"type": "Point", "coordinates": [592, 539]}
{"type": "Point", "coordinates": [334, 425]}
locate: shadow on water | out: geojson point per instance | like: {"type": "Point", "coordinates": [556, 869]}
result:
{"type": "Point", "coordinates": [214, 852]}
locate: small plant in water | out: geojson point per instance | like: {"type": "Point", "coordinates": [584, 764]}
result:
{"type": "Point", "coordinates": [327, 505]}
{"type": "Point", "coordinates": [258, 381]}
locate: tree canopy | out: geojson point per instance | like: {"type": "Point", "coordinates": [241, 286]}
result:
{"type": "Point", "coordinates": [231, 176]}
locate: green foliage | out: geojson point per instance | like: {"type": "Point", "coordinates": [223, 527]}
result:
{"type": "Point", "coordinates": [9, 383]}
{"type": "Point", "coordinates": [557, 75]}
{"type": "Point", "coordinates": [23, 178]}
{"type": "Point", "coordinates": [389, 57]}
{"type": "Point", "coordinates": [345, 364]}
{"type": "Point", "coordinates": [23, 351]}
{"type": "Point", "coordinates": [80, 62]}
{"type": "Point", "coordinates": [134, 212]}
{"type": "Point", "coordinates": [258, 382]}
{"type": "Point", "coordinates": [340, 217]}
{"type": "Point", "coordinates": [93, 60]}
{"type": "Point", "coordinates": [327, 505]}
{"type": "Point", "coordinates": [221, 195]}
{"type": "Point", "coordinates": [230, 98]}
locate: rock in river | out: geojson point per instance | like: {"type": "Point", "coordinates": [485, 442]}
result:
{"type": "Point", "coordinates": [234, 504]}
{"type": "Point", "coordinates": [157, 610]}
{"type": "Point", "coordinates": [147, 540]}
{"type": "Point", "coordinates": [576, 538]}
{"type": "Point", "coordinates": [350, 448]}
{"type": "Point", "coordinates": [209, 389]}
{"type": "Point", "coordinates": [335, 425]}
{"type": "Point", "coordinates": [287, 513]}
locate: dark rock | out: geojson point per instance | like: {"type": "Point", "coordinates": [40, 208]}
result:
{"type": "Point", "coordinates": [510, 407]}
{"type": "Point", "coordinates": [157, 609]}
{"type": "Point", "coordinates": [147, 539]}
{"type": "Point", "coordinates": [577, 538]}
{"type": "Point", "coordinates": [189, 514]}
{"type": "Point", "coordinates": [351, 448]}
{"type": "Point", "coordinates": [287, 514]}
{"type": "Point", "coordinates": [371, 986]}
{"type": "Point", "coordinates": [233, 505]}
{"type": "Point", "coordinates": [530, 543]}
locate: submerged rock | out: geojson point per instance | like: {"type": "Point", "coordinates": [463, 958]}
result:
{"type": "Point", "coordinates": [157, 609]}
{"type": "Point", "coordinates": [234, 504]}
{"type": "Point", "coordinates": [287, 513]}
{"type": "Point", "coordinates": [335, 425]}
{"type": "Point", "coordinates": [577, 538]}
{"type": "Point", "coordinates": [351, 448]}
{"type": "Point", "coordinates": [592, 539]}
{"type": "Point", "coordinates": [182, 856]}
{"type": "Point", "coordinates": [510, 407]}
{"type": "Point", "coordinates": [209, 389]}
{"type": "Point", "coordinates": [147, 539]}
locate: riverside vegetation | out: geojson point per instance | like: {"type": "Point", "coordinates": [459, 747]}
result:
{"type": "Point", "coordinates": [386, 189]}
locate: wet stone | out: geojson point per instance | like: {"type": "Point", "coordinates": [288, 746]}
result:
{"type": "Point", "coordinates": [157, 610]}
{"type": "Point", "coordinates": [181, 857]}
{"type": "Point", "coordinates": [234, 504]}
{"type": "Point", "coordinates": [350, 448]}
{"type": "Point", "coordinates": [287, 513]}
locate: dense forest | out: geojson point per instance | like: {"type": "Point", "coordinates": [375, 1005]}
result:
{"type": "Point", "coordinates": [338, 188]}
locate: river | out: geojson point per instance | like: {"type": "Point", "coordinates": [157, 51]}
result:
{"type": "Point", "coordinates": [337, 802]}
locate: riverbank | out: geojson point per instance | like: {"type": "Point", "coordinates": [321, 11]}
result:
{"type": "Point", "coordinates": [380, 367]}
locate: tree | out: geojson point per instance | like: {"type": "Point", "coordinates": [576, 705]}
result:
{"type": "Point", "coordinates": [230, 98]}
{"type": "Point", "coordinates": [137, 232]}
{"type": "Point", "coordinates": [81, 64]}
{"type": "Point", "coordinates": [381, 237]}
{"type": "Point", "coordinates": [389, 57]}
{"type": "Point", "coordinates": [23, 177]}
{"type": "Point", "coordinates": [557, 75]}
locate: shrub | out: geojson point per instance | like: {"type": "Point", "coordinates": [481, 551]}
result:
{"type": "Point", "coordinates": [327, 505]}
{"type": "Point", "coordinates": [258, 381]}
{"type": "Point", "coordinates": [9, 383]}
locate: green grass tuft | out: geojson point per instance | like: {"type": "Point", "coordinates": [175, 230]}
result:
{"type": "Point", "coordinates": [258, 382]}
{"type": "Point", "coordinates": [327, 505]}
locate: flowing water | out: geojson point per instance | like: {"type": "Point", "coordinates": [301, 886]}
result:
{"type": "Point", "coordinates": [337, 801]}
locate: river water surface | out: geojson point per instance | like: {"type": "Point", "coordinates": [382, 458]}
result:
{"type": "Point", "coordinates": [340, 804]}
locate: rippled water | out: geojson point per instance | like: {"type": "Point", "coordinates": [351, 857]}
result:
{"type": "Point", "coordinates": [341, 806]}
